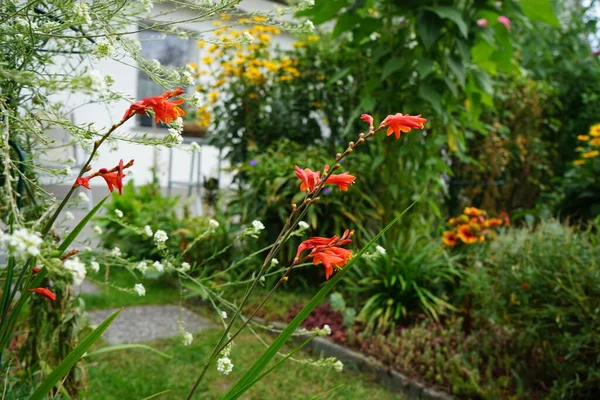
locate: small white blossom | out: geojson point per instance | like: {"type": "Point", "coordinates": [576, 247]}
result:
{"type": "Point", "coordinates": [69, 216]}
{"type": "Point", "coordinates": [22, 243]}
{"type": "Point", "coordinates": [148, 231]}
{"type": "Point", "coordinates": [155, 64]}
{"type": "Point", "coordinates": [327, 329]}
{"type": "Point", "coordinates": [195, 101]}
{"type": "Point", "coordinates": [307, 3]}
{"type": "Point", "coordinates": [103, 48]}
{"type": "Point", "coordinates": [82, 10]}
{"type": "Point", "coordinates": [175, 136]}
{"type": "Point", "coordinates": [224, 314]}
{"type": "Point", "coordinates": [160, 236]}
{"type": "Point", "coordinates": [308, 25]}
{"type": "Point", "coordinates": [95, 266]}
{"type": "Point", "coordinates": [119, 213]}
{"type": "Point", "coordinates": [303, 225]}
{"type": "Point", "coordinates": [158, 266]}
{"type": "Point", "coordinates": [142, 267]}
{"type": "Point", "coordinates": [83, 197]}
{"type": "Point", "coordinates": [139, 289]}
{"type": "Point", "coordinates": [116, 252]}
{"type": "Point", "coordinates": [224, 365]}
{"type": "Point", "coordinates": [213, 223]}
{"type": "Point", "coordinates": [98, 230]}
{"type": "Point", "coordinates": [380, 250]}
{"type": "Point", "coordinates": [194, 147]}
{"type": "Point", "coordinates": [257, 225]}
{"type": "Point", "coordinates": [185, 267]}
{"type": "Point", "coordinates": [374, 36]}
{"type": "Point", "coordinates": [187, 338]}
{"type": "Point", "coordinates": [248, 36]}
{"type": "Point", "coordinates": [95, 80]}
{"type": "Point", "coordinates": [178, 124]}
{"type": "Point", "coordinates": [77, 269]}
{"type": "Point", "coordinates": [338, 366]}
{"type": "Point", "coordinates": [188, 79]}
{"type": "Point", "coordinates": [67, 171]}
{"type": "Point", "coordinates": [274, 261]}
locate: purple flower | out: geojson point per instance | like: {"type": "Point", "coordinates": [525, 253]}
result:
{"type": "Point", "coordinates": [326, 191]}
{"type": "Point", "coordinates": [252, 163]}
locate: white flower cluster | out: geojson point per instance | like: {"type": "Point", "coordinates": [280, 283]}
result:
{"type": "Point", "coordinates": [175, 131]}
{"type": "Point", "coordinates": [194, 147]}
{"type": "Point", "coordinates": [95, 266]}
{"type": "Point", "coordinates": [22, 243]}
{"type": "Point", "coordinates": [303, 225]}
{"type": "Point", "coordinates": [116, 252]}
{"type": "Point", "coordinates": [248, 36]}
{"type": "Point", "coordinates": [188, 79]}
{"type": "Point", "coordinates": [77, 270]}
{"type": "Point", "coordinates": [98, 230]}
{"type": "Point", "coordinates": [69, 216]}
{"type": "Point", "coordinates": [307, 26]}
{"type": "Point", "coordinates": [148, 231]}
{"type": "Point", "coordinates": [186, 338]}
{"type": "Point", "coordinates": [255, 229]}
{"type": "Point", "coordinates": [224, 365]}
{"type": "Point", "coordinates": [185, 267]}
{"type": "Point", "coordinates": [330, 362]}
{"type": "Point", "coordinates": [83, 197]}
{"type": "Point", "coordinates": [274, 262]}
{"type": "Point", "coordinates": [142, 267]}
{"type": "Point", "coordinates": [158, 266]}
{"type": "Point", "coordinates": [139, 289]}
{"type": "Point", "coordinates": [82, 10]}
{"type": "Point", "coordinates": [103, 48]}
{"type": "Point", "coordinates": [94, 81]}
{"type": "Point", "coordinates": [304, 4]}
{"type": "Point", "coordinates": [119, 213]}
{"type": "Point", "coordinates": [160, 237]}
{"type": "Point", "coordinates": [324, 331]}
{"type": "Point", "coordinates": [213, 223]}
{"type": "Point", "coordinates": [195, 101]}
{"type": "Point", "coordinates": [224, 314]}
{"type": "Point", "coordinates": [380, 250]}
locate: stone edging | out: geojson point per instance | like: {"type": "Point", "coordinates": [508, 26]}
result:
{"type": "Point", "coordinates": [393, 381]}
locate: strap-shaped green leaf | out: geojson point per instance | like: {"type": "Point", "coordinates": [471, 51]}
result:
{"type": "Point", "coordinates": [73, 235]}
{"type": "Point", "coordinates": [250, 376]}
{"type": "Point", "coordinates": [128, 346]}
{"type": "Point", "coordinates": [71, 359]}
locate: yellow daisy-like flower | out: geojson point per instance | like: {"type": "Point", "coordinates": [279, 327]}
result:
{"type": "Point", "coordinates": [579, 162]}
{"type": "Point", "coordinates": [217, 23]}
{"type": "Point", "coordinates": [595, 130]}
{"type": "Point", "coordinates": [595, 141]}
{"type": "Point", "coordinates": [208, 60]}
{"type": "Point", "coordinates": [225, 17]}
{"type": "Point", "coordinates": [212, 96]}
{"type": "Point", "coordinates": [299, 45]}
{"type": "Point", "coordinates": [313, 38]}
{"type": "Point", "coordinates": [591, 154]}
{"type": "Point", "coordinates": [193, 66]}
{"type": "Point", "coordinates": [258, 18]}
{"type": "Point", "coordinates": [212, 48]}
{"type": "Point", "coordinates": [583, 138]}
{"type": "Point", "coordinates": [244, 20]}
{"type": "Point", "coordinates": [201, 44]}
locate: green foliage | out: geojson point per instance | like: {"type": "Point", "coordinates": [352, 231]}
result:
{"type": "Point", "coordinates": [542, 286]}
{"type": "Point", "coordinates": [413, 277]}
{"type": "Point", "coordinates": [145, 205]}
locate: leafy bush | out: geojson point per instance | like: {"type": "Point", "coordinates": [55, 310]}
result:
{"type": "Point", "coordinates": [145, 205]}
{"type": "Point", "coordinates": [543, 286]}
{"type": "Point", "coordinates": [413, 277]}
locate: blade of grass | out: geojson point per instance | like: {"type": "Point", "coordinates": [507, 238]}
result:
{"type": "Point", "coordinates": [243, 384]}
{"type": "Point", "coordinates": [126, 347]}
{"type": "Point", "coordinates": [84, 221]}
{"type": "Point", "coordinates": [156, 394]}
{"type": "Point", "coordinates": [71, 359]}
{"type": "Point", "coordinates": [329, 391]}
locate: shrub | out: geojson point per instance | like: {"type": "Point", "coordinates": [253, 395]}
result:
{"type": "Point", "coordinates": [543, 286]}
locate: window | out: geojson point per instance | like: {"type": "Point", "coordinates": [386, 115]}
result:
{"type": "Point", "coordinates": [170, 50]}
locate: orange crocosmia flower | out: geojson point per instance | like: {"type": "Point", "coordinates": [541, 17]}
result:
{"type": "Point", "coordinates": [44, 292]}
{"type": "Point", "coordinates": [164, 110]}
{"type": "Point", "coordinates": [450, 239]}
{"type": "Point", "coordinates": [368, 119]}
{"type": "Point", "coordinates": [493, 222]}
{"type": "Point", "coordinates": [331, 257]}
{"type": "Point", "coordinates": [473, 212]}
{"type": "Point", "coordinates": [342, 181]}
{"type": "Point", "coordinates": [402, 123]}
{"type": "Point", "coordinates": [466, 234]}
{"type": "Point", "coordinates": [113, 177]}
{"type": "Point", "coordinates": [310, 179]}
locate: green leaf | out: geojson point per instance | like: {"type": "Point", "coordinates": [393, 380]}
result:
{"type": "Point", "coordinates": [484, 82]}
{"type": "Point", "coordinates": [392, 65]}
{"type": "Point", "coordinates": [540, 10]}
{"type": "Point", "coordinates": [367, 104]}
{"type": "Point", "coordinates": [73, 235]}
{"type": "Point", "coordinates": [482, 53]}
{"type": "Point", "coordinates": [344, 23]}
{"type": "Point", "coordinates": [453, 14]}
{"type": "Point", "coordinates": [424, 67]}
{"type": "Point", "coordinates": [429, 93]}
{"type": "Point", "coordinates": [71, 359]}
{"type": "Point", "coordinates": [338, 76]}
{"type": "Point", "coordinates": [126, 347]}
{"type": "Point", "coordinates": [429, 27]}
{"type": "Point", "coordinates": [457, 67]}
{"type": "Point", "coordinates": [243, 384]}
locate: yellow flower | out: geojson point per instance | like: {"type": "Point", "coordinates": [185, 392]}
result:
{"type": "Point", "coordinates": [253, 47]}
{"type": "Point", "coordinates": [579, 162]}
{"type": "Point", "coordinates": [285, 78]}
{"type": "Point", "coordinates": [299, 45]}
{"type": "Point", "coordinates": [201, 44]}
{"type": "Point", "coordinates": [595, 130]}
{"type": "Point", "coordinates": [208, 60]}
{"type": "Point", "coordinates": [217, 23]}
{"type": "Point", "coordinates": [258, 18]}
{"type": "Point", "coordinates": [235, 33]}
{"type": "Point", "coordinates": [244, 20]}
{"type": "Point", "coordinates": [253, 95]}
{"type": "Point", "coordinates": [591, 154]}
{"type": "Point", "coordinates": [212, 96]}
{"type": "Point", "coordinates": [218, 83]}
{"type": "Point", "coordinates": [316, 104]}
{"type": "Point", "coordinates": [595, 141]}
{"type": "Point", "coordinates": [292, 71]}
{"type": "Point", "coordinates": [264, 38]}
{"type": "Point", "coordinates": [212, 48]}
{"type": "Point", "coordinates": [583, 138]}
{"type": "Point", "coordinates": [313, 38]}
{"type": "Point", "coordinates": [221, 31]}
{"type": "Point", "coordinates": [225, 17]}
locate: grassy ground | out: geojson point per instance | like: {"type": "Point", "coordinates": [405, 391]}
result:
{"type": "Point", "coordinates": [137, 374]}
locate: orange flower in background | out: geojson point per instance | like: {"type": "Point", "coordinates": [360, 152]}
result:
{"type": "Point", "coordinates": [493, 222]}
{"type": "Point", "coordinates": [342, 181]}
{"type": "Point", "coordinates": [402, 123]}
{"type": "Point", "coordinates": [583, 138]}
{"type": "Point", "coordinates": [466, 235]}
{"type": "Point", "coordinates": [310, 179]}
{"type": "Point", "coordinates": [327, 251]}
{"type": "Point", "coordinates": [44, 292]}
{"type": "Point", "coordinates": [450, 239]}
{"type": "Point", "coordinates": [595, 130]}
{"type": "Point", "coordinates": [113, 177]}
{"type": "Point", "coordinates": [368, 119]}
{"type": "Point", "coordinates": [505, 218]}
{"type": "Point", "coordinates": [473, 212]}
{"type": "Point", "coordinates": [164, 110]}
{"type": "Point", "coordinates": [579, 162]}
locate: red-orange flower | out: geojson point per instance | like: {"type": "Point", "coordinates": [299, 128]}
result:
{"type": "Point", "coordinates": [493, 222]}
{"type": "Point", "coordinates": [505, 218]}
{"type": "Point", "coordinates": [310, 180]}
{"type": "Point", "coordinates": [402, 123]}
{"type": "Point", "coordinates": [164, 110]}
{"type": "Point", "coordinates": [327, 251]}
{"type": "Point", "coordinates": [450, 239]}
{"type": "Point", "coordinates": [113, 177]}
{"type": "Point", "coordinates": [342, 181]}
{"type": "Point", "coordinates": [44, 292]}
{"type": "Point", "coordinates": [473, 212]}
{"type": "Point", "coordinates": [368, 119]}
{"type": "Point", "coordinates": [466, 235]}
